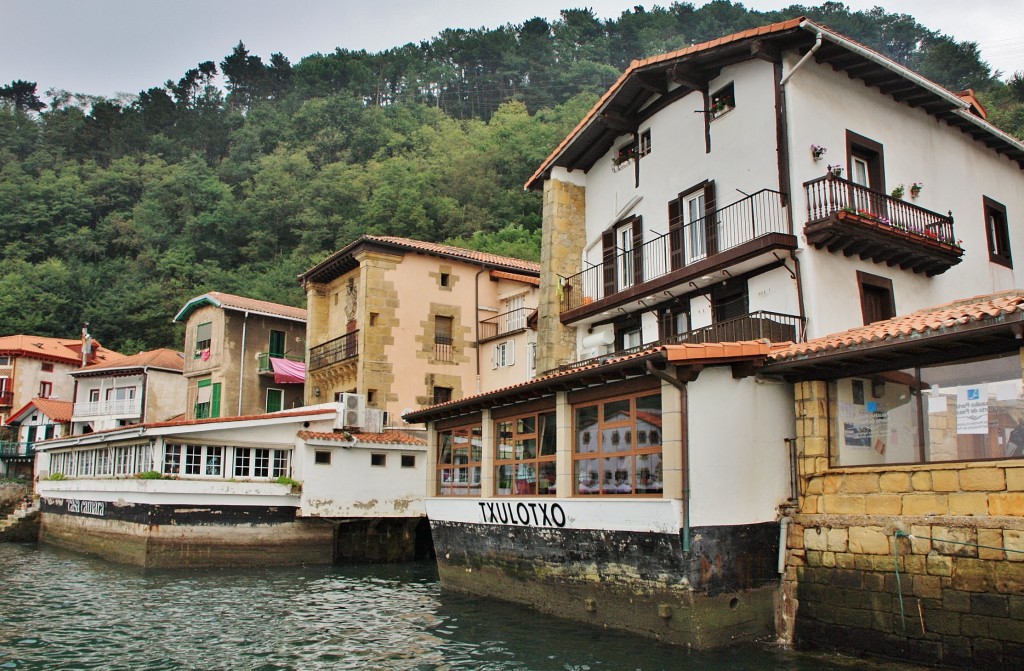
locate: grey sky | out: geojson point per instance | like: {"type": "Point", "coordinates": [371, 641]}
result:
{"type": "Point", "coordinates": [109, 46]}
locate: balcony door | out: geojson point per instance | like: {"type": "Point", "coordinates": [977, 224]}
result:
{"type": "Point", "coordinates": [622, 256]}
{"type": "Point", "coordinates": [867, 170]}
{"type": "Point", "coordinates": [277, 344]}
{"type": "Point", "coordinates": [692, 226]}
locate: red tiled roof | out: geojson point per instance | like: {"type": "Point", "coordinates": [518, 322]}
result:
{"type": "Point", "coordinates": [526, 279]}
{"type": "Point", "coordinates": [58, 411]}
{"type": "Point", "coordinates": [916, 324]}
{"type": "Point", "coordinates": [385, 438]}
{"type": "Point", "coordinates": [241, 304]}
{"type": "Point", "coordinates": [448, 250]}
{"type": "Point", "coordinates": [66, 350]}
{"type": "Point", "coordinates": [242, 418]}
{"type": "Point", "coordinates": [167, 359]}
{"type": "Point", "coordinates": [971, 99]}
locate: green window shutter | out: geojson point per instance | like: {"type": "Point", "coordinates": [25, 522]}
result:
{"type": "Point", "coordinates": [275, 399]}
{"type": "Point", "coordinates": [215, 401]}
{"type": "Point", "coordinates": [277, 343]}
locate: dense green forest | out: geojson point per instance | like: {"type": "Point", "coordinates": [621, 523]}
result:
{"type": "Point", "coordinates": [240, 174]}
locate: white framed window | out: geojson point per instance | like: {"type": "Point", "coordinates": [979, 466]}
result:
{"type": "Point", "coordinates": [624, 242]}
{"type": "Point", "coordinates": [696, 241]}
{"type": "Point", "coordinates": [631, 339]}
{"type": "Point", "coordinates": [261, 462]}
{"type": "Point", "coordinates": [504, 354]}
{"type": "Point", "coordinates": [531, 357]}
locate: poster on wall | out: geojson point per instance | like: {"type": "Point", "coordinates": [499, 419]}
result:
{"type": "Point", "coordinates": [864, 427]}
{"type": "Point", "coordinates": [972, 410]}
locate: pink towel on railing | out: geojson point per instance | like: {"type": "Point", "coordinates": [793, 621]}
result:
{"type": "Point", "coordinates": [288, 372]}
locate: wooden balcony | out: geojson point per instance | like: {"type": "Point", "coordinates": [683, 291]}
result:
{"type": "Point", "coordinates": [745, 232]}
{"type": "Point", "coordinates": [857, 221]}
{"type": "Point", "coordinates": [504, 324]}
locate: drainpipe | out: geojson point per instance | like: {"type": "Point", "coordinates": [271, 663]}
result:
{"type": "Point", "coordinates": [476, 302]}
{"type": "Point", "coordinates": [807, 56]}
{"type": "Point", "coordinates": [783, 535]}
{"type": "Point", "coordinates": [145, 394]}
{"type": "Point", "coordinates": [681, 386]}
{"type": "Point", "coordinates": [241, 369]}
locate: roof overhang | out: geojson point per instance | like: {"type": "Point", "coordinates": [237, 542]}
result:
{"type": "Point", "coordinates": [206, 299]}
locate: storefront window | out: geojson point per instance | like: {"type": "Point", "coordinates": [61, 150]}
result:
{"type": "Point", "coordinates": [607, 460]}
{"type": "Point", "coordinates": [525, 458]}
{"type": "Point", "coordinates": [956, 412]}
{"type": "Point", "coordinates": [458, 461]}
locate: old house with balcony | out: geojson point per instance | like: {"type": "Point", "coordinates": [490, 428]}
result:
{"type": "Point", "coordinates": [143, 387]}
{"type": "Point", "coordinates": [37, 367]}
{"type": "Point", "coordinates": [718, 205]}
{"type": "Point", "coordinates": [40, 419]}
{"type": "Point", "coordinates": [401, 324]}
{"type": "Point", "coordinates": [242, 356]}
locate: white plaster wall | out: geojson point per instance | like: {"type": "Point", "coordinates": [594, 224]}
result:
{"type": "Point", "coordinates": [774, 291]}
{"type": "Point", "coordinates": [180, 491]}
{"type": "Point", "coordinates": [165, 395]}
{"type": "Point", "coordinates": [739, 462]}
{"type": "Point", "coordinates": [742, 156]}
{"type": "Point", "coordinates": [350, 487]}
{"type": "Point", "coordinates": [955, 170]}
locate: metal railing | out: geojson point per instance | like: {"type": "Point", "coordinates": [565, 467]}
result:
{"type": "Point", "coordinates": [755, 216]}
{"type": "Point", "coordinates": [829, 195]}
{"type": "Point", "coordinates": [443, 350]}
{"type": "Point", "coordinates": [11, 449]}
{"type": "Point", "coordinates": [263, 360]}
{"type": "Point", "coordinates": [333, 351]}
{"type": "Point", "coordinates": [499, 325]}
{"type": "Point", "coordinates": [130, 407]}
{"type": "Point", "coordinates": [760, 325]}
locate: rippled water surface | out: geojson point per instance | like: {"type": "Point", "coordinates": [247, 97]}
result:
{"type": "Point", "coordinates": [60, 610]}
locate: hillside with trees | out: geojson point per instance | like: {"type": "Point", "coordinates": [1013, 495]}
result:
{"type": "Point", "coordinates": [116, 211]}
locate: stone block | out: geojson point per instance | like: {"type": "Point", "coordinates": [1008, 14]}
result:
{"type": "Point", "coordinates": [1015, 479]}
{"type": "Point", "coordinates": [862, 483]}
{"type": "Point", "coordinates": [881, 620]}
{"type": "Point", "coordinates": [833, 483]}
{"type": "Point", "coordinates": [1013, 541]}
{"type": "Point", "coordinates": [975, 625]}
{"type": "Point", "coordinates": [815, 446]}
{"type": "Point", "coordinates": [992, 605]}
{"type": "Point", "coordinates": [883, 504]}
{"type": "Point", "coordinates": [1006, 503]}
{"type": "Point", "coordinates": [971, 503]}
{"type": "Point", "coordinates": [838, 539]}
{"type": "Point", "coordinates": [810, 505]}
{"type": "Point", "coordinates": [813, 558]}
{"type": "Point", "coordinates": [1016, 606]}
{"type": "Point", "coordinates": [814, 486]}
{"type": "Point", "coordinates": [939, 565]}
{"type": "Point", "coordinates": [956, 601]}
{"type": "Point", "coordinates": [927, 586]}
{"type": "Point", "coordinates": [874, 562]}
{"type": "Point", "coordinates": [873, 582]}
{"type": "Point", "coordinates": [914, 564]}
{"type": "Point", "coordinates": [982, 480]}
{"type": "Point", "coordinates": [845, 560]}
{"type": "Point", "coordinates": [921, 542]}
{"type": "Point", "coordinates": [921, 481]}
{"type": "Point", "coordinates": [973, 575]}
{"type": "Point", "coordinates": [845, 504]}
{"type": "Point", "coordinates": [936, 621]}
{"type": "Point", "coordinates": [816, 539]}
{"type": "Point", "coordinates": [898, 481]}
{"type": "Point", "coordinates": [925, 504]}
{"type": "Point", "coordinates": [994, 539]}
{"type": "Point", "coordinates": [868, 540]}
{"type": "Point", "coordinates": [853, 617]}
{"type": "Point", "coordinates": [1009, 577]}
{"type": "Point", "coordinates": [945, 481]}
{"type": "Point", "coordinates": [957, 542]}
{"type": "Point", "coordinates": [1006, 630]}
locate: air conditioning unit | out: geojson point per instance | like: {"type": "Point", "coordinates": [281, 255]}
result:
{"type": "Point", "coordinates": [374, 420]}
{"type": "Point", "coordinates": [351, 412]}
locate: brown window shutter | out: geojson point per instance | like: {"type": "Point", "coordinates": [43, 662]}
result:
{"type": "Point", "coordinates": [638, 251]}
{"type": "Point", "coordinates": [608, 262]}
{"type": "Point", "coordinates": [675, 233]}
{"type": "Point", "coordinates": [710, 217]}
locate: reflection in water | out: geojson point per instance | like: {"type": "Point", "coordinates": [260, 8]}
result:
{"type": "Point", "coordinates": [60, 610]}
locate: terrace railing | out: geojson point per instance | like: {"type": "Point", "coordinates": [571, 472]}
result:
{"type": "Point", "coordinates": [508, 322]}
{"type": "Point", "coordinates": [334, 351]}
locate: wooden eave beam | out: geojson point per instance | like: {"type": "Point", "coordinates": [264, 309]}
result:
{"type": "Point", "coordinates": [618, 122]}
{"type": "Point", "coordinates": [689, 372]}
{"type": "Point", "coordinates": [688, 76]}
{"type": "Point", "coordinates": [652, 82]}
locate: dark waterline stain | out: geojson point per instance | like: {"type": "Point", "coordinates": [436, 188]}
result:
{"type": "Point", "coordinates": [60, 610]}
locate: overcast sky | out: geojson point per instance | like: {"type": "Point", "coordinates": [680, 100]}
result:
{"type": "Point", "coordinates": [106, 47]}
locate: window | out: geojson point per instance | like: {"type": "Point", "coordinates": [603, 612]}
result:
{"type": "Point", "coordinates": [275, 400]}
{"type": "Point", "coordinates": [198, 460]}
{"type": "Point", "coordinates": [443, 328]}
{"type": "Point", "coordinates": [674, 321]}
{"type": "Point", "coordinates": [442, 394]}
{"type": "Point", "coordinates": [378, 459]}
{"type": "Point", "coordinates": [525, 456]}
{"type": "Point", "coordinates": [276, 348]}
{"type": "Point", "coordinates": [94, 395]}
{"type": "Point", "coordinates": [45, 389]}
{"type": "Point", "coordinates": [645, 143]}
{"type": "Point", "coordinates": [876, 298]}
{"type": "Point", "coordinates": [515, 314]}
{"type": "Point", "coordinates": [47, 367]}
{"type": "Point", "coordinates": [408, 461]}
{"type": "Point", "coordinates": [504, 354]}
{"type": "Point", "coordinates": [964, 411]}
{"type": "Point", "coordinates": [258, 462]}
{"type": "Point", "coordinates": [615, 464]}
{"type": "Point", "coordinates": [998, 231]}
{"type": "Point", "coordinates": [458, 461]}
{"type": "Point", "coordinates": [445, 280]}
{"type": "Point", "coordinates": [723, 100]}
{"type": "Point", "coordinates": [867, 169]}
{"type": "Point", "coordinates": [204, 335]}
{"type": "Point", "coordinates": [373, 318]}
{"type": "Point", "coordinates": [207, 399]}
{"type": "Point", "coordinates": [121, 394]}
{"type": "Point", "coordinates": [172, 459]}
{"type": "Point", "coordinates": [729, 300]}
{"type": "Point", "coordinates": [692, 228]}
{"type": "Point", "coordinates": [322, 457]}
{"type": "Point", "coordinates": [5, 361]}
{"type": "Point", "coordinates": [622, 256]}
{"type": "Point", "coordinates": [531, 357]}
{"type": "Point", "coordinates": [624, 241]}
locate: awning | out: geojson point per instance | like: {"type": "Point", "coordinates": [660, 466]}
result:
{"type": "Point", "coordinates": [288, 372]}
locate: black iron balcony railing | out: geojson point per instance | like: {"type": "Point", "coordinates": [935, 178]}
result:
{"type": "Point", "coordinates": [831, 195]}
{"type": "Point", "coordinates": [443, 348]}
{"type": "Point", "coordinates": [334, 351]}
{"type": "Point", "coordinates": [10, 449]}
{"type": "Point", "coordinates": [499, 325]}
{"type": "Point", "coordinates": [263, 360]}
{"type": "Point", "coordinates": [760, 325]}
{"type": "Point", "coordinates": [685, 244]}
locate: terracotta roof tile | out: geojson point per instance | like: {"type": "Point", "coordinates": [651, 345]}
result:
{"type": "Point", "coordinates": [158, 358]}
{"type": "Point", "coordinates": [526, 279]}
{"type": "Point", "coordinates": [58, 411]}
{"type": "Point", "coordinates": [923, 322]}
{"type": "Point", "coordinates": [385, 438]}
{"type": "Point", "coordinates": [241, 304]}
{"type": "Point", "coordinates": [448, 250]}
{"type": "Point", "coordinates": [242, 418]}
{"type": "Point", "coordinates": [60, 349]}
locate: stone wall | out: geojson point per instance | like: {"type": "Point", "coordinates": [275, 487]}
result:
{"type": "Point", "coordinates": [564, 237]}
{"type": "Point", "coordinates": [921, 562]}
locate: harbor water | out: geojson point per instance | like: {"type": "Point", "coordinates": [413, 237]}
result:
{"type": "Point", "coordinates": [60, 610]}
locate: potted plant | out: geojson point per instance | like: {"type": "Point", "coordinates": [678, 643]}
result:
{"type": "Point", "coordinates": [898, 192]}
{"type": "Point", "coordinates": [836, 170]}
{"type": "Point", "coordinates": [817, 151]}
{"type": "Point", "coordinates": [915, 189]}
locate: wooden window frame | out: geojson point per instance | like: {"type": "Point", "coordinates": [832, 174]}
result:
{"type": "Point", "coordinates": [447, 487]}
{"type": "Point", "coordinates": [876, 282]}
{"type": "Point", "coordinates": [514, 465]}
{"type": "Point", "coordinates": [998, 240]}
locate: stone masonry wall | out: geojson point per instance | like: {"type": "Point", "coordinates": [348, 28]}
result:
{"type": "Point", "coordinates": [923, 562]}
{"type": "Point", "coordinates": [564, 237]}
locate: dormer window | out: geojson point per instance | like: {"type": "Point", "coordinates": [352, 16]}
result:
{"type": "Point", "coordinates": [722, 100]}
